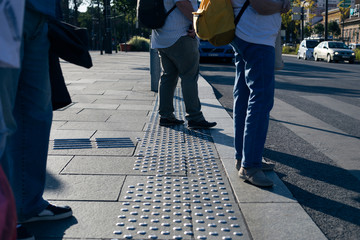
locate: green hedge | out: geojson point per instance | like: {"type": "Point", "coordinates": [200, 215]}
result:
{"type": "Point", "coordinates": [289, 50]}
{"type": "Point", "coordinates": [139, 44]}
{"type": "Point", "coordinates": [357, 54]}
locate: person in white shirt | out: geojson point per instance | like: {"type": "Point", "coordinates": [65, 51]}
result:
{"type": "Point", "coordinates": [254, 44]}
{"type": "Point", "coordinates": [179, 55]}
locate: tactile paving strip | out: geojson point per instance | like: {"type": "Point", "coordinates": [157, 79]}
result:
{"type": "Point", "coordinates": [216, 221]}
{"type": "Point", "coordinates": [188, 196]}
{"type": "Point", "coordinates": [154, 221]}
{"type": "Point", "coordinates": [213, 189]}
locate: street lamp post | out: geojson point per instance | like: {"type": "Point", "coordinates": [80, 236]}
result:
{"type": "Point", "coordinates": [99, 22]}
{"type": "Point", "coordinates": [302, 23]}
{"type": "Point", "coordinates": [114, 25]}
{"type": "Point", "coordinates": [107, 13]}
{"type": "Point", "coordinates": [326, 20]}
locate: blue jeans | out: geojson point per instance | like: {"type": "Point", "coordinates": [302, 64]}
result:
{"type": "Point", "coordinates": [26, 100]}
{"type": "Point", "coordinates": [253, 100]}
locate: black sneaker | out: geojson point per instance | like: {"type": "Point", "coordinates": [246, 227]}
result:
{"type": "Point", "coordinates": [170, 122]}
{"type": "Point", "coordinates": [201, 124]}
{"type": "Point", "coordinates": [23, 234]}
{"type": "Point", "coordinates": [52, 212]}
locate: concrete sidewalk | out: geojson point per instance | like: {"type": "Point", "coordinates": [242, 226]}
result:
{"type": "Point", "coordinates": [128, 178]}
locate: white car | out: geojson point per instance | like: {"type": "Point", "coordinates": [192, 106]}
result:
{"type": "Point", "coordinates": [306, 49]}
{"type": "Point", "coordinates": [353, 46]}
{"type": "Point", "coordinates": [333, 51]}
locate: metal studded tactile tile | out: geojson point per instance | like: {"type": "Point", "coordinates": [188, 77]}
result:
{"type": "Point", "coordinates": [154, 220]}
{"type": "Point", "coordinates": [216, 221]}
{"type": "Point", "coordinates": [214, 189]}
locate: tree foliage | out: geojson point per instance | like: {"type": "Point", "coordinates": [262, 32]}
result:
{"type": "Point", "coordinates": [319, 29]}
{"type": "Point", "coordinates": [122, 19]}
{"type": "Point", "coordinates": [334, 28]}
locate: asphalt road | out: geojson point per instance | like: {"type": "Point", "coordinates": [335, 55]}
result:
{"type": "Point", "coordinates": [314, 137]}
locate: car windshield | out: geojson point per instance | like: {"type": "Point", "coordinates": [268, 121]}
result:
{"type": "Point", "coordinates": [337, 45]}
{"type": "Point", "coordinates": [311, 44]}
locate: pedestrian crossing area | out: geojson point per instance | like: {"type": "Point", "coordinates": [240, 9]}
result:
{"type": "Point", "coordinates": [341, 147]}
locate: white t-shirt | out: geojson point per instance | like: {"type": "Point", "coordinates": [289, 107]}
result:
{"type": "Point", "coordinates": [176, 26]}
{"type": "Point", "coordinates": [256, 28]}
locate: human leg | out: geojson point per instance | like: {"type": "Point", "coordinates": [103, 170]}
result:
{"type": "Point", "coordinates": [259, 78]}
{"type": "Point", "coordinates": [241, 95]}
{"type": "Point", "coordinates": [168, 82]}
{"type": "Point", "coordinates": [185, 58]}
{"type": "Point", "coordinates": [26, 151]}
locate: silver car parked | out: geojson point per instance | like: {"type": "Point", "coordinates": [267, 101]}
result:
{"type": "Point", "coordinates": [333, 51]}
{"type": "Point", "coordinates": [306, 49]}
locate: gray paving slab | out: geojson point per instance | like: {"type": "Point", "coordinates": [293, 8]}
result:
{"type": "Point", "coordinates": [92, 151]}
{"type": "Point", "coordinates": [68, 134]}
{"type": "Point", "coordinates": [95, 105]}
{"type": "Point", "coordinates": [104, 126]}
{"type": "Point", "coordinates": [83, 187]}
{"type": "Point", "coordinates": [100, 165]}
{"type": "Point", "coordinates": [84, 98]}
{"type": "Point", "coordinates": [107, 112]}
{"type": "Point", "coordinates": [280, 221]}
{"type": "Point", "coordinates": [91, 220]}
{"type": "Point", "coordinates": [57, 124]}
{"type": "Point", "coordinates": [123, 117]}
{"type": "Point", "coordinates": [134, 136]}
{"type": "Point", "coordinates": [55, 164]}
{"type": "Point", "coordinates": [124, 102]}
{"type": "Point", "coordinates": [76, 87]}
{"type": "Point", "coordinates": [135, 107]}
{"type": "Point", "coordinates": [65, 111]}
{"type": "Point", "coordinates": [79, 91]}
{"type": "Point", "coordinates": [93, 117]}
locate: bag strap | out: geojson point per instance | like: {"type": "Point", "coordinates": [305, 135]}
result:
{"type": "Point", "coordinates": [172, 9]}
{"type": "Point", "coordinates": [237, 19]}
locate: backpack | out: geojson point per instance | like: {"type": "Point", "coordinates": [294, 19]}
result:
{"type": "Point", "coordinates": [152, 13]}
{"type": "Point", "coordinates": [214, 21]}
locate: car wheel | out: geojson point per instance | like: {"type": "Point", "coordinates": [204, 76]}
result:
{"type": "Point", "coordinates": [305, 58]}
{"type": "Point", "coordinates": [328, 58]}
{"type": "Point", "coordinates": [316, 57]}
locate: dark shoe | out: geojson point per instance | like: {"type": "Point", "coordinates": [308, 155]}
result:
{"type": "Point", "coordinates": [201, 124]}
{"type": "Point", "coordinates": [265, 165]}
{"type": "Point", "coordinates": [23, 234]}
{"type": "Point", "coordinates": [52, 212]}
{"type": "Point", "coordinates": [255, 176]}
{"type": "Point", "coordinates": [166, 122]}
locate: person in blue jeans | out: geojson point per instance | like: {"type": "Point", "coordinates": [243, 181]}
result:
{"type": "Point", "coordinates": [26, 101]}
{"type": "Point", "coordinates": [254, 43]}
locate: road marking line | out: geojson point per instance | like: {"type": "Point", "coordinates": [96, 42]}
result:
{"type": "Point", "coordinates": [334, 143]}
{"type": "Point", "coordinates": [339, 106]}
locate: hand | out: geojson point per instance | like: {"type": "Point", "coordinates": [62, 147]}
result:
{"type": "Point", "coordinates": [191, 32]}
{"type": "Point", "coordinates": [285, 7]}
